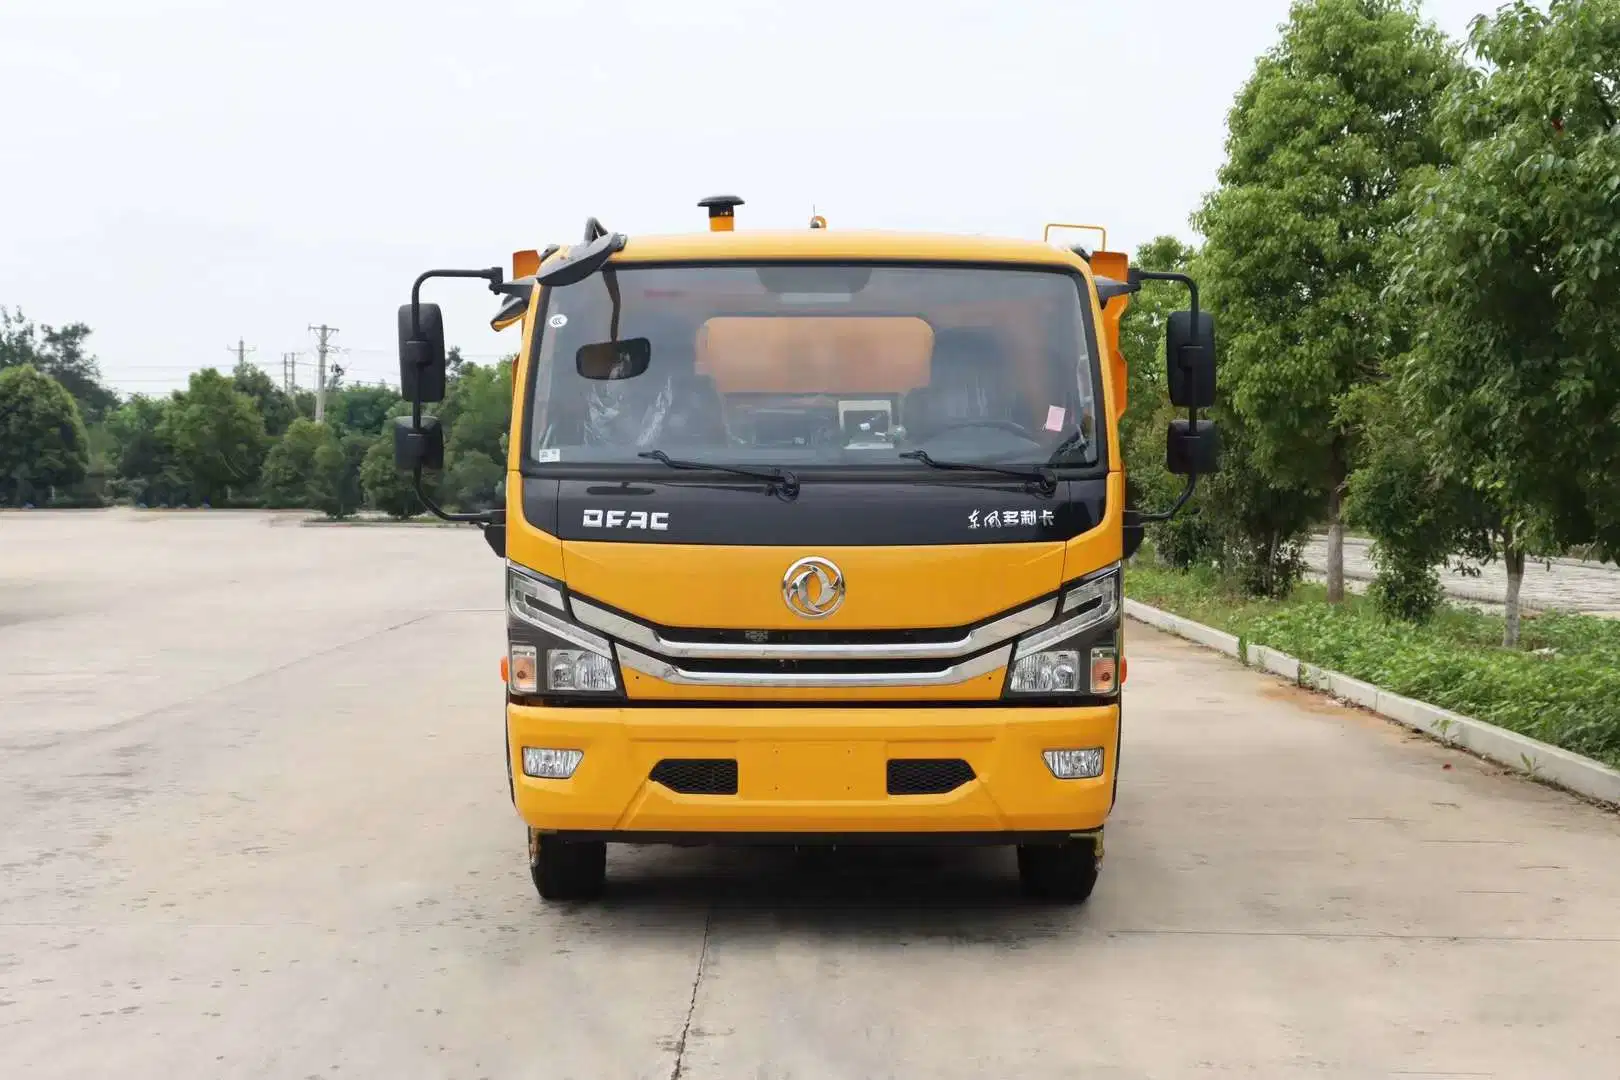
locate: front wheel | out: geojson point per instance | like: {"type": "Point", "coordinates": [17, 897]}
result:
{"type": "Point", "coordinates": [567, 869]}
{"type": "Point", "coordinates": [1065, 873]}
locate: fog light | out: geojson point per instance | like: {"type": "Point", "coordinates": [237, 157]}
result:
{"type": "Point", "coordinates": [523, 669]}
{"type": "Point", "coordinates": [550, 764]}
{"type": "Point", "coordinates": [576, 669]}
{"type": "Point", "coordinates": [1075, 764]}
{"type": "Point", "coordinates": [1054, 672]}
{"type": "Point", "coordinates": [1104, 670]}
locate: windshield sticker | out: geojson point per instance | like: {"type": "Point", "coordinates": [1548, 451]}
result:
{"type": "Point", "coordinates": [1010, 519]}
{"type": "Point", "coordinates": [1054, 418]}
{"type": "Point", "coordinates": [557, 321]}
{"type": "Point", "coordinates": [548, 455]}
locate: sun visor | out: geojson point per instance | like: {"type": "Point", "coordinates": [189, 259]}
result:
{"type": "Point", "coordinates": [815, 354]}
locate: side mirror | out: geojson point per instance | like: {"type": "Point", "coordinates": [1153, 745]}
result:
{"type": "Point", "coordinates": [1190, 359]}
{"type": "Point", "coordinates": [1190, 451]}
{"type": "Point", "coordinates": [607, 360]}
{"type": "Point", "coordinates": [418, 447]}
{"type": "Point", "coordinates": [421, 356]}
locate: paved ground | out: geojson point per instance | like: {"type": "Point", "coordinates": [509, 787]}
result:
{"type": "Point", "coordinates": [1561, 585]}
{"type": "Point", "coordinates": [253, 823]}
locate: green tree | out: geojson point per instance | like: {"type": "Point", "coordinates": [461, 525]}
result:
{"type": "Point", "coordinates": [289, 467]}
{"type": "Point", "coordinates": [274, 404]}
{"type": "Point", "coordinates": [1513, 255]}
{"type": "Point", "coordinates": [1321, 140]}
{"type": "Point", "coordinates": [387, 488]}
{"type": "Point", "coordinates": [60, 353]}
{"type": "Point", "coordinates": [477, 414]}
{"type": "Point", "coordinates": [1418, 517]}
{"type": "Point", "coordinates": [217, 435]}
{"type": "Point", "coordinates": [361, 410]}
{"type": "Point", "coordinates": [144, 465]}
{"type": "Point", "coordinates": [43, 445]}
{"type": "Point", "coordinates": [335, 487]}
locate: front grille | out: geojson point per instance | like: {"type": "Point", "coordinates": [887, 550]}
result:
{"type": "Point", "coordinates": [927, 776]}
{"type": "Point", "coordinates": [697, 776]}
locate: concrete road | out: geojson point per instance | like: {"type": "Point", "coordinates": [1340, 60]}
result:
{"type": "Point", "coordinates": [1592, 588]}
{"type": "Point", "coordinates": [254, 823]}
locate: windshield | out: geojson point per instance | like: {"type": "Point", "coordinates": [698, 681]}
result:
{"type": "Point", "coordinates": [816, 365]}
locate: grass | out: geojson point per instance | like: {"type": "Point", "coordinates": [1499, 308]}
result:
{"type": "Point", "coordinates": [1569, 697]}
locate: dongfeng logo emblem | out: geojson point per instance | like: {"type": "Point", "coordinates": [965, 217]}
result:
{"type": "Point", "coordinates": [813, 588]}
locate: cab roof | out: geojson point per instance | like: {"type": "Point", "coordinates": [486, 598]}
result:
{"type": "Point", "coordinates": [840, 244]}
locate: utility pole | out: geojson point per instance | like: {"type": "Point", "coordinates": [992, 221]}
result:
{"type": "Point", "coordinates": [325, 334]}
{"type": "Point", "coordinates": [289, 372]}
{"type": "Point", "coordinates": [241, 350]}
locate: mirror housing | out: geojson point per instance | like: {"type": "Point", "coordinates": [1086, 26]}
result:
{"type": "Point", "coordinates": [604, 361]}
{"type": "Point", "coordinates": [1192, 452]}
{"type": "Point", "coordinates": [421, 357]}
{"type": "Point", "coordinates": [580, 262]}
{"type": "Point", "coordinates": [418, 447]}
{"type": "Point", "coordinates": [1190, 360]}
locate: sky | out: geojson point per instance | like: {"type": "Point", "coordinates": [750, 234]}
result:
{"type": "Point", "coordinates": [183, 175]}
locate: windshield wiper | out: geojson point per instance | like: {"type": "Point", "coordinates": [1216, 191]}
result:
{"type": "Point", "coordinates": [1071, 441]}
{"type": "Point", "coordinates": [776, 478]}
{"type": "Point", "coordinates": [1042, 476]}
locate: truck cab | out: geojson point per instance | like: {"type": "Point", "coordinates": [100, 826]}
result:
{"type": "Point", "coordinates": [813, 537]}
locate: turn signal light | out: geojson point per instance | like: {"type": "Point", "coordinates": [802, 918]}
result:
{"type": "Point", "coordinates": [1104, 670]}
{"type": "Point", "coordinates": [525, 670]}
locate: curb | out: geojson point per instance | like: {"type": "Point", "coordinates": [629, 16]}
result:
{"type": "Point", "coordinates": [1519, 753]}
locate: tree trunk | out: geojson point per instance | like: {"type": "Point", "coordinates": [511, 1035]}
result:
{"type": "Point", "coordinates": [1513, 559]}
{"type": "Point", "coordinates": [1335, 536]}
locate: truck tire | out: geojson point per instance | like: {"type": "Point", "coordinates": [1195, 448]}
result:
{"type": "Point", "coordinates": [1063, 873]}
{"type": "Point", "coordinates": [567, 869]}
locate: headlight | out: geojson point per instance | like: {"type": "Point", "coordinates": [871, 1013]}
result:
{"type": "Point", "coordinates": [1063, 658]}
{"type": "Point", "coordinates": [550, 652]}
{"type": "Point", "coordinates": [576, 669]}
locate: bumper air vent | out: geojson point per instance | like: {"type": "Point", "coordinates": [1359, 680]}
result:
{"type": "Point", "coordinates": [927, 776]}
{"type": "Point", "coordinates": [697, 776]}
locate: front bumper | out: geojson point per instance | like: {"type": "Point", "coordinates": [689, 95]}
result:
{"type": "Point", "coordinates": [812, 770]}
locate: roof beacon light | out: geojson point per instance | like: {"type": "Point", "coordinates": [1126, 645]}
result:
{"type": "Point", "coordinates": [722, 211]}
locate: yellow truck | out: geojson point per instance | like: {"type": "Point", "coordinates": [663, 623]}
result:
{"type": "Point", "coordinates": [814, 537]}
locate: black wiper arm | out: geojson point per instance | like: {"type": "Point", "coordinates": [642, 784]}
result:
{"type": "Point", "coordinates": [1071, 441]}
{"type": "Point", "coordinates": [776, 478]}
{"type": "Point", "coordinates": [1042, 476]}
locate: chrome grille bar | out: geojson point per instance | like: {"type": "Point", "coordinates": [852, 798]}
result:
{"type": "Point", "coordinates": [645, 638]}
{"type": "Point", "coordinates": [964, 671]}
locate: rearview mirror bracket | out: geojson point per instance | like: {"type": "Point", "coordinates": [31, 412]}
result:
{"type": "Point", "coordinates": [1190, 442]}
{"type": "Point", "coordinates": [420, 445]}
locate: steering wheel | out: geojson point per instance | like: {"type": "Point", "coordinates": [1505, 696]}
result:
{"type": "Point", "coordinates": [999, 425]}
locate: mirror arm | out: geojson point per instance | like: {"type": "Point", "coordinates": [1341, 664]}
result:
{"type": "Point", "coordinates": [610, 278]}
{"type": "Point", "coordinates": [484, 518]}
{"type": "Point", "coordinates": [1139, 276]}
{"type": "Point", "coordinates": [495, 276]}
{"type": "Point", "coordinates": [1166, 515]}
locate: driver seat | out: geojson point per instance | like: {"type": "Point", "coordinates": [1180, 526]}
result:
{"type": "Point", "coordinates": [970, 379]}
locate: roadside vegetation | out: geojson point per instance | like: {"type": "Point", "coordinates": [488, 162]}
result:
{"type": "Point", "coordinates": [1562, 686]}
{"type": "Point", "coordinates": [228, 440]}
{"type": "Point", "coordinates": [1413, 252]}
